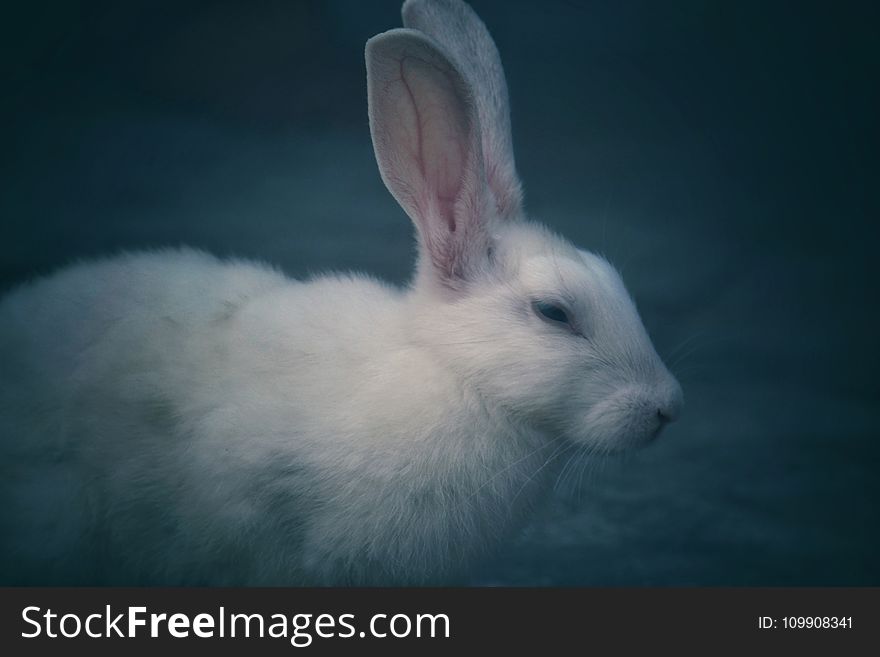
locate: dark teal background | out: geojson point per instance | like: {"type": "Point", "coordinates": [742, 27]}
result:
{"type": "Point", "coordinates": [723, 155]}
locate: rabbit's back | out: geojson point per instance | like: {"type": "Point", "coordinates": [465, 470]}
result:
{"type": "Point", "coordinates": [62, 334]}
{"type": "Point", "coordinates": [57, 321]}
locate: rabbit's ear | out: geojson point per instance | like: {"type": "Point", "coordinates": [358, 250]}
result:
{"type": "Point", "coordinates": [461, 33]}
{"type": "Point", "coordinates": [427, 141]}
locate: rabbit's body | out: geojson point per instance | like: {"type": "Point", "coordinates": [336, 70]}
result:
{"type": "Point", "coordinates": [240, 427]}
{"type": "Point", "coordinates": [171, 418]}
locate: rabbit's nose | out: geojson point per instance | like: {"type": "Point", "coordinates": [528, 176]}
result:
{"type": "Point", "coordinates": [670, 408]}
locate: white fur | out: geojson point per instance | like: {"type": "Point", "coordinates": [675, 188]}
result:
{"type": "Point", "coordinates": [168, 417]}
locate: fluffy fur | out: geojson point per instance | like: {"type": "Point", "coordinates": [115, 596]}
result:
{"type": "Point", "coordinates": [171, 418]}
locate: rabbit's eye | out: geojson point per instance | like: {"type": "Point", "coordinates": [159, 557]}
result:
{"type": "Point", "coordinates": [551, 312]}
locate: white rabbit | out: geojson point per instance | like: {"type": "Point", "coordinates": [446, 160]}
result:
{"type": "Point", "coordinates": [172, 418]}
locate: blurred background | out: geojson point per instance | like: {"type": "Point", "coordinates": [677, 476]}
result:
{"type": "Point", "coordinates": [722, 155]}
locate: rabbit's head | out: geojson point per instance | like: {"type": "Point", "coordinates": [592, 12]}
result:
{"type": "Point", "coordinates": [540, 328]}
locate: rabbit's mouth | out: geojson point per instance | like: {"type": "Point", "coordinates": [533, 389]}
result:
{"type": "Point", "coordinates": [661, 424]}
{"type": "Point", "coordinates": [629, 418]}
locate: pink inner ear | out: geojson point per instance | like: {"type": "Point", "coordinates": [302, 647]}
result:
{"type": "Point", "coordinates": [437, 143]}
